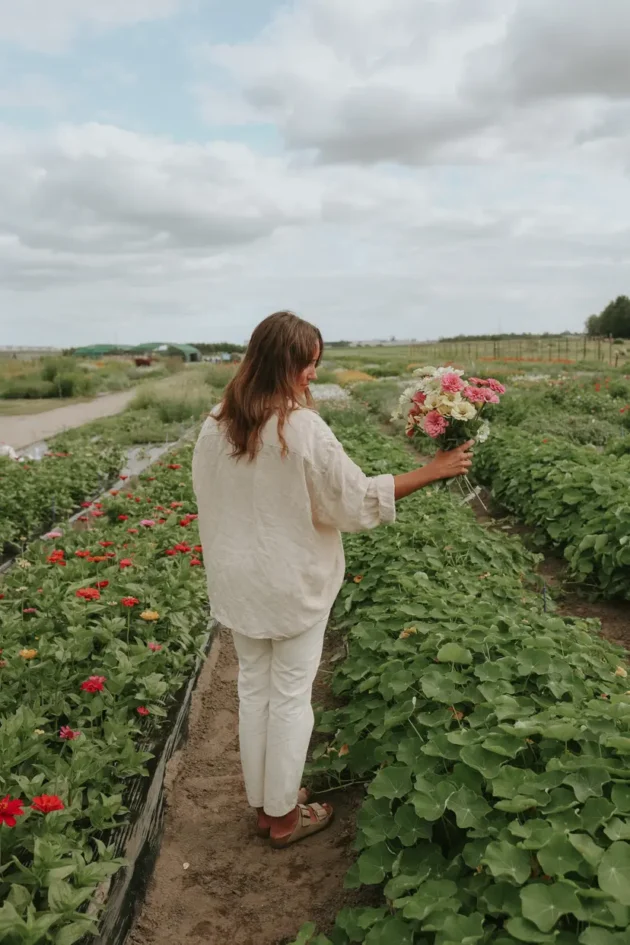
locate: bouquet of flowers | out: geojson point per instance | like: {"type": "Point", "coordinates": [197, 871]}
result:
{"type": "Point", "coordinates": [448, 408]}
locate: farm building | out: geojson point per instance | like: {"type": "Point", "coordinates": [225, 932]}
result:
{"type": "Point", "coordinates": [169, 349]}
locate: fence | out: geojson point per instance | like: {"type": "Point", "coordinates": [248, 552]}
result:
{"type": "Point", "coordinates": [563, 349]}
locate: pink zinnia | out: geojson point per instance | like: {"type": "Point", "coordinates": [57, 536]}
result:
{"type": "Point", "coordinates": [495, 386]}
{"type": "Point", "coordinates": [419, 397]}
{"type": "Point", "coordinates": [147, 522]}
{"type": "Point", "coordinates": [476, 395]}
{"type": "Point", "coordinates": [53, 535]}
{"type": "Point", "coordinates": [68, 734]}
{"type": "Point", "coordinates": [155, 647]}
{"type": "Point", "coordinates": [126, 563]}
{"type": "Point", "coordinates": [452, 383]}
{"type": "Point", "coordinates": [479, 381]}
{"type": "Point", "coordinates": [435, 424]}
{"type": "Point", "coordinates": [490, 397]}
{"type": "Point", "coordinates": [141, 710]}
{"type": "Point", "coordinates": [93, 684]}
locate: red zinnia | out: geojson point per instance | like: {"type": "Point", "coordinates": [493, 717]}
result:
{"type": "Point", "coordinates": [132, 531]}
{"type": "Point", "coordinates": [198, 549]}
{"type": "Point", "coordinates": [170, 552]}
{"type": "Point", "coordinates": [88, 593]}
{"type": "Point", "coordinates": [195, 562]}
{"type": "Point", "coordinates": [129, 601]}
{"type": "Point", "coordinates": [126, 563]}
{"type": "Point", "coordinates": [155, 647]}
{"type": "Point", "coordinates": [86, 505]}
{"type": "Point", "coordinates": [47, 803]}
{"type": "Point", "coordinates": [102, 584]}
{"type": "Point", "coordinates": [182, 547]}
{"type": "Point", "coordinates": [83, 554]}
{"type": "Point", "coordinates": [68, 734]}
{"type": "Point", "coordinates": [123, 477]}
{"type": "Point", "coordinates": [141, 710]}
{"type": "Point", "coordinates": [123, 518]}
{"type": "Point", "coordinates": [94, 684]}
{"type": "Point", "coordinates": [176, 505]}
{"type": "Point", "coordinates": [174, 466]}
{"type": "Point", "coordinates": [10, 809]}
{"type": "Point", "coordinates": [106, 544]}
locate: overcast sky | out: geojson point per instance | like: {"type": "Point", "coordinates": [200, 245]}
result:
{"type": "Point", "coordinates": [177, 169]}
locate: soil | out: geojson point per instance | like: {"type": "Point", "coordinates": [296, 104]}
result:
{"type": "Point", "coordinates": [614, 615]}
{"type": "Point", "coordinates": [21, 431]}
{"type": "Point", "coordinates": [236, 889]}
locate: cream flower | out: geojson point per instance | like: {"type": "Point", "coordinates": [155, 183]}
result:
{"type": "Point", "coordinates": [463, 411]}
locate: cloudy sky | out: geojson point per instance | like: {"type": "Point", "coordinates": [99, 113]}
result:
{"type": "Point", "coordinates": [177, 169]}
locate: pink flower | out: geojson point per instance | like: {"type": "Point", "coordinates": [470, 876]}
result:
{"type": "Point", "coordinates": [435, 424]}
{"type": "Point", "coordinates": [491, 397]}
{"type": "Point", "coordinates": [147, 522]}
{"type": "Point", "coordinates": [94, 684]}
{"type": "Point", "coordinates": [495, 386]}
{"type": "Point", "coordinates": [452, 383]}
{"type": "Point", "coordinates": [478, 381]}
{"type": "Point", "coordinates": [155, 647]}
{"type": "Point", "coordinates": [415, 411]}
{"type": "Point", "coordinates": [53, 535]}
{"type": "Point", "coordinates": [419, 397]}
{"type": "Point", "coordinates": [476, 395]}
{"type": "Point", "coordinates": [68, 734]}
{"type": "Point", "coordinates": [142, 710]}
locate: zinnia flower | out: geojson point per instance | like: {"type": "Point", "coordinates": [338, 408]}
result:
{"type": "Point", "coordinates": [88, 593]}
{"type": "Point", "coordinates": [451, 383]}
{"type": "Point", "coordinates": [155, 647]}
{"type": "Point", "coordinates": [142, 710]}
{"type": "Point", "coordinates": [198, 549]}
{"type": "Point", "coordinates": [129, 601]}
{"type": "Point", "coordinates": [47, 803]}
{"type": "Point", "coordinates": [10, 809]}
{"type": "Point", "coordinates": [123, 518]}
{"type": "Point", "coordinates": [182, 547]}
{"type": "Point", "coordinates": [170, 552]}
{"type": "Point", "coordinates": [102, 584]}
{"type": "Point", "coordinates": [28, 654]}
{"type": "Point", "coordinates": [174, 466]}
{"type": "Point", "coordinates": [147, 522]}
{"type": "Point", "coordinates": [94, 684]}
{"type": "Point", "coordinates": [86, 505]}
{"type": "Point", "coordinates": [495, 386]}
{"type": "Point", "coordinates": [54, 534]}
{"type": "Point", "coordinates": [106, 544]}
{"type": "Point", "coordinates": [126, 563]}
{"type": "Point", "coordinates": [67, 734]}
{"type": "Point", "coordinates": [435, 424]}
{"type": "Point", "coordinates": [195, 562]}
{"type": "Point", "coordinates": [149, 615]}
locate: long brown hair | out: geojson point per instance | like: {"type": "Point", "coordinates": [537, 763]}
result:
{"type": "Point", "coordinates": [280, 348]}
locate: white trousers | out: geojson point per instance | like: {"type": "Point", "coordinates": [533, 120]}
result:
{"type": "Point", "coordinates": [275, 682]}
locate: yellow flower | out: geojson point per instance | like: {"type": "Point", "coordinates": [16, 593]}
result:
{"type": "Point", "coordinates": [620, 671]}
{"type": "Point", "coordinates": [39, 731]}
{"type": "Point", "coordinates": [28, 654]}
{"type": "Point", "coordinates": [407, 632]}
{"type": "Point", "coordinates": [149, 615]}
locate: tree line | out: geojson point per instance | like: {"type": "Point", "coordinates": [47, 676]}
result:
{"type": "Point", "coordinates": [613, 322]}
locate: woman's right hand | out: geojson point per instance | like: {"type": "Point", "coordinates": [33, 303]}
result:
{"type": "Point", "coordinates": [446, 464]}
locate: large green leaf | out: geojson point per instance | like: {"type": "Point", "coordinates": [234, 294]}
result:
{"type": "Point", "coordinates": [613, 874]}
{"type": "Point", "coordinates": [375, 863]}
{"type": "Point", "coordinates": [469, 807]}
{"type": "Point", "coordinates": [454, 653]}
{"type": "Point", "coordinates": [559, 857]}
{"type": "Point", "coordinates": [507, 861]}
{"type": "Point", "coordinates": [391, 782]}
{"type": "Point", "coordinates": [545, 904]}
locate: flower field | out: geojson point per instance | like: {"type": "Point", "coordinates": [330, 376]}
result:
{"type": "Point", "coordinates": [100, 629]}
{"type": "Point", "coordinates": [493, 737]}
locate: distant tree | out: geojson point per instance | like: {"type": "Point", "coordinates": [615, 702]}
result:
{"type": "Point", "coordinates": [218, 347]}
{"type": "Point", "coordinates": [613, 321]}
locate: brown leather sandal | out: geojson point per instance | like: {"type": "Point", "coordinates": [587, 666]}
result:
{"type": "Point", "coordinates": [304, 796]}
{"type": "Point", "coordinates": [311, 819]}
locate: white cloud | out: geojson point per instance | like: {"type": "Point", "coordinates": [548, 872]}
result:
{"type": "Point", "coordinates": [51, 25]}
{"type": "Point", "coordinates": [431, 81]}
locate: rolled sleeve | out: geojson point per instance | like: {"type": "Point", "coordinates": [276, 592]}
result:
{"type": "Point", "coordinates": [343, 497]}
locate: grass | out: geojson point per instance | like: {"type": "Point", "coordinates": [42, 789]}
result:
{"type": "Point", "coordinates": [22, 408]}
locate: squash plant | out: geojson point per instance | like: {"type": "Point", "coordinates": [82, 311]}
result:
{"type": "Point", "coordinates": [493, 739]}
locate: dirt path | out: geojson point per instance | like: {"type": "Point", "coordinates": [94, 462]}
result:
{"type": "Point", "coordinates": [236, 889]}
{"type": "Point", "coordinates": [31, 428]}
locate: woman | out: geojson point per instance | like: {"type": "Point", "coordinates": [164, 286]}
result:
{"type": "Point", "coordinates": [274, 490]}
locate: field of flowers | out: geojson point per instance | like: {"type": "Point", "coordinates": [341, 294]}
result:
{"type": "Point", "coordinates": [100, 630]}
{"type": "Point", "coordinates": [493, 737]}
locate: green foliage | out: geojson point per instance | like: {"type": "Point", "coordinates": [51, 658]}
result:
{"type": "Point", "coordinates": [579, 499]}
{"type": "Point", "coordinates": [613, 321]}
{"type": "Point", "coordinates": [51, 864]}
{"type": "Point", "coordinates": [493, 737]}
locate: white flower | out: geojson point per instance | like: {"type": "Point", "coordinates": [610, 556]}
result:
{"type": "Point", "coordinates": [484, 432]}
{"type": "Point", "coordinates": [23, 563]}
{"type": "Point", "coordinates": [463, 411]}
{"type": "Point", "coordinates": [424, 371]}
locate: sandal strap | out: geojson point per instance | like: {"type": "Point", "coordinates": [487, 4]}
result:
{"type": "Point", "coordinates": [307, 811]}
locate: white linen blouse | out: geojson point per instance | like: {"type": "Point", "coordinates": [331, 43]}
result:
{"type": "Point", "coordinates": [270, 528]}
